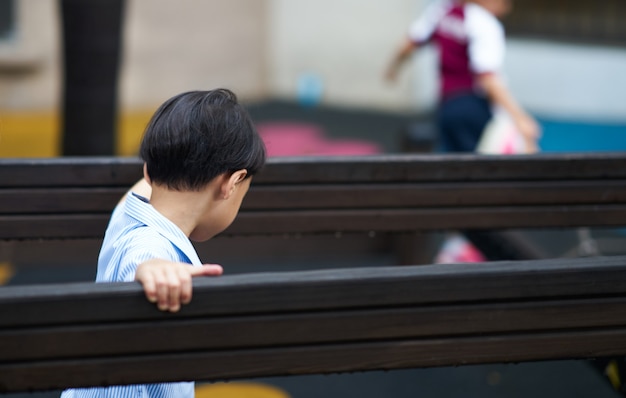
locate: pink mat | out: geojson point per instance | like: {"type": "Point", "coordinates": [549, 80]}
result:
{"type": "Point", "coordinates": [298, 139]}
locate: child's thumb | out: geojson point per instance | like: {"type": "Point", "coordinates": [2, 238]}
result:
{"type": "Point", "coordinates": [207, 270]}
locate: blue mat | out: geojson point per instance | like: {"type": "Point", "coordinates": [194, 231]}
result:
{"type": "Point", "coordinates": [571, 136]}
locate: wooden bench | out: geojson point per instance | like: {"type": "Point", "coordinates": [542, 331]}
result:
{"type": "Point", "coordinates": [342, 320]}
{"type": "Point", "coordinates": [323, 321]}
{"type": "Point", "coordinates": [71, 198]}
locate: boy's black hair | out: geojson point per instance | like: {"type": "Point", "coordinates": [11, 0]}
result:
{"type": "Point", "coordinates": [196, 136]}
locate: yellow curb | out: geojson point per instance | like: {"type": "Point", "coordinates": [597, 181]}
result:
{"type": "Point", "coordinates": [6, 273]}
{"type": "Point", "coordinates": [26, 134]}
{"type": "Point", "coordinates": [239, 390]}
{"type": "Point", "coordinates": [612, 372]}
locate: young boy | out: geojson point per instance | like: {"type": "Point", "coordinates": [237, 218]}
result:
{"type": "Point", "coordinates": [200, 151]}
{"type": "Point", "coordinates": [471, 45]}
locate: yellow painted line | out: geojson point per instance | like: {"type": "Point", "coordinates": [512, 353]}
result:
{"type": "Point", "coordinates": [612, 372]}
{"type": "Point", "coordinates": [130, 131]}
{"type": "Point", "coordinates": [239, 390]}
{"type": "Point", "coordinates": [29, 134]}
{"type": "Point", "coordinates": [6, 273]}
{"type": "Point", "coordinates": [37, 134]}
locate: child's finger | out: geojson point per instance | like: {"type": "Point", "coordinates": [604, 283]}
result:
{"type": "Point", "coordinates": [173, 288]}
{"type": "Point", "coordinates": [162, 290]}
{"type": "Point", "coordinates": [207, 270]}
{"type": "Point", "coordinates": [149, 288]}
{"type": "Point", "coordinates": [185, 285]}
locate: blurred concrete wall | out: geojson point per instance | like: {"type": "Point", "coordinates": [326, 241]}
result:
{"type": "Point", "coordinates": [29, 58]}
{"type": "Point", "coordinates": [263, 49]}
{"type": "Point", "coordinates": [346, 44]}
{"type": "Point", "coordinates": [259, 48]}
{"type": "Point", "coordinates": [173, 46]}
{"type": "Point", "coordinates": [569, 81]}
{"type": "Point", "coordinates": [266, 48]}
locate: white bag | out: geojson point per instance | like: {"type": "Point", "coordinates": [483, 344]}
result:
{"type": "Point", "coordinates": [501, 137]}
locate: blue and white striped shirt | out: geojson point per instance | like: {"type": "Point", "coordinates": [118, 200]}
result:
{"type": "Point", "coordinates": [136, 233]}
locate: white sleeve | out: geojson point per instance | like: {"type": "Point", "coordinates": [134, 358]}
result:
{"type": "Point", "coordinates": [423, 27]}
{"type": "Point", "coordinates": [487, 41]}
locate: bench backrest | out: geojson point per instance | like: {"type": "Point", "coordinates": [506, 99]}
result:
{"type": "Point", "coordinates": [73, 197]}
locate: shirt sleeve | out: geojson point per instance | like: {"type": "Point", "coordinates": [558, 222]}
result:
{"type": "Point", "coordinates": [422, 29]}
{"type": "Point", "coordinates": [142, 245]}
{"type": "Point", "coordinates": [487, 43]}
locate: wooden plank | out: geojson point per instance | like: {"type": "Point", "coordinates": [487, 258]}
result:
{"type": "Point", "coordinates": [69, 171]}
{"type": "Point", "coordinates": [411, 195]}
{"type": "Point", "coordinates": [60, 200]}
{"type": "Point", "coordinates": [339, 289]}
{"type": "Point", "coordinates": [377, 168]}
{"type": "Point", "coordinates": [60, 226]}
{"type": "Point", "coordinates": [318, 359]}
{"type": "Point", "coordinates": [314, 322]}
{"type": "Point", "coordinates": [443, 167]}
{"type": "Point", "coordinates": [429, 219]}
{"type": "Point", "coordinates": [339, 196]}
{"type": "Point", "coordinates": [307, 328]}
{"type": "Point", "coordinates": [92, 226]}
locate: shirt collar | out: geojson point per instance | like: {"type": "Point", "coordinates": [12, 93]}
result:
{"type": "Point", "coordinates": [141, 210]}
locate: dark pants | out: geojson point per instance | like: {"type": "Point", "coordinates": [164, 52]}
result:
{"type": "Point", "coordinates": [461, 120]}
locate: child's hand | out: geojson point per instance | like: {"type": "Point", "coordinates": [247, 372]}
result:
{"type": "Point", "coordinates": [530, 130]}
{"type": "Point", "coordinates": [168, 284]}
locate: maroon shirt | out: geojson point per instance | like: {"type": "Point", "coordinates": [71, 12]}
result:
{"type": "Point", "coordinates": [470, 42]}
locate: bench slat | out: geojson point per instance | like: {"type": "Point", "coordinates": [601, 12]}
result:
{"type": "Point", "coordinates": [69, 172]}
{"type": "Point", "coordinates": [337, 196]}
{"type": "Point", "coordinates": [59, 200]}
{"type": "Point", "coordinates": [443, 167]}
{"type": "Point", "coordinates": [429, 219]}
{"type": "Point", "coordinates": [92, 226]}
{"type": "Point", "coordinates": [270, 324]}
{"type": "Point", "coordinates": [114, 171]}
{"type": "Point", "coordinates": [338, 289]}
{"type": "Point", "coordinates": [220, 365]}
{"type": "Point", "coordinates": [61, 226]}
{"type": "Point", "coordinates": [273, 330]}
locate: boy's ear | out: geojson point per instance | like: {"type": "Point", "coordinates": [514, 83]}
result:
{"type": "Point", "coordinates": [230, 182]}
{"type": "Point", "coordinates": [239, 175]}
